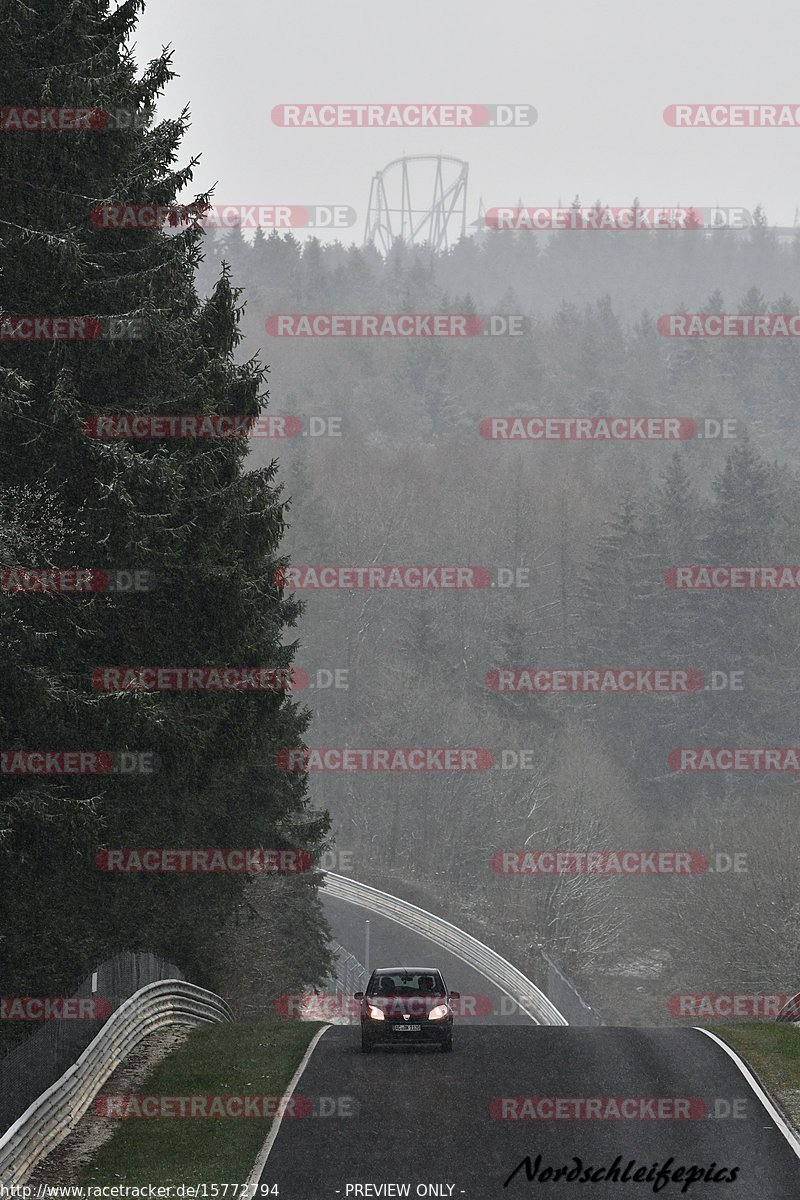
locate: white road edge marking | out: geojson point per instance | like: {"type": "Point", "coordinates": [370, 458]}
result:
{"type": "Point", "coordinates": [777, 1117]}
{"type": "Point", "coordinates": [255, 1175]}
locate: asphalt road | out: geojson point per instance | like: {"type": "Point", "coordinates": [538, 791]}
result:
{"type": "Point", "coordinates": [393, 945]}
{"type": "Point", "coordinates": [416, 1117]}
{"type": "Point", "coordinates": [416, 1122]}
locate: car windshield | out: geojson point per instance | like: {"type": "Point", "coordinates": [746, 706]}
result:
{"type": "Point", "coordinates": [406, 983]}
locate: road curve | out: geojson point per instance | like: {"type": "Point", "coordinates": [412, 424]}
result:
{"type": "Point", "coordinates": [415, 1118]}
{"type": "Point", "coordinates": [391, 943]}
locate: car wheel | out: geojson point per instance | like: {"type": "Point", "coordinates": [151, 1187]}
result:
{"type": "Point", "coordinates": [366, 1045]}
{"type": "Point", "coordinates": [447, 1046]}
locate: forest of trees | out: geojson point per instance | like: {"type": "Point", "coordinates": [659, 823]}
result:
{"type": "Point", "coordinates": [410, 480]}
{"type": "Point", "coordinates": [188, 511]}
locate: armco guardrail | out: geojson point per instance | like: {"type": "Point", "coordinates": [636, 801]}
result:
{"type": "Point", "coordinates": [57, 1111]}
{"type": "Point", "coordinates": [34, 1064]}
{"type": "Point", "coordinates": [527, 995]}
{"type": "Point", "coordinates": [790, 1010]}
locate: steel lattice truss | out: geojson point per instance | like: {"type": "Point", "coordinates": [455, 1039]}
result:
{"type": "Point", "coordinates": [422, 199]}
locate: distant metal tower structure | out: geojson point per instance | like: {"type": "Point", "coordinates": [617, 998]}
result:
{"type": "Point", "coordinates": [422, 199]}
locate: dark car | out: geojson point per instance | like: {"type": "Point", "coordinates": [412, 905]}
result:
{"type": "Point", "coordinates": [406, 1004]}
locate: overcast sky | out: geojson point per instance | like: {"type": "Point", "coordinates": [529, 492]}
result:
{"type": "Point", "coordinates": [599, 76]}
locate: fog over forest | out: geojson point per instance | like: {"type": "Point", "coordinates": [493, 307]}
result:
{"type": "Point", "coordinates": [402, 472]}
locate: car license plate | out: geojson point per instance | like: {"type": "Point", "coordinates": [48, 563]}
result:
{"type": "Point", "coordinates": [410, 1028]}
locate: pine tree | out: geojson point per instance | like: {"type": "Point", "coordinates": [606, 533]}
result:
{"type": "Point", "coordinates": [610, 589]}
{"type": "Point", "coordinates": [517, 647]}
{"type": "Point", "coordinates": [185, 510]}
{"type": "Point", "coordinates": [750, 630]}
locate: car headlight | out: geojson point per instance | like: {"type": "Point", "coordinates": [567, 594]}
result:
{"type": "Point", "coordinates": [436, 1013]}
{"type": "Point", "coordinates": [377, 1014]}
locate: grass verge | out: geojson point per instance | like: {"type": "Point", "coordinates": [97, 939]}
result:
{"type": "Point", "coordinates": [214, 1060]}
{"type": "Point", "coordinates": [772, 1049]}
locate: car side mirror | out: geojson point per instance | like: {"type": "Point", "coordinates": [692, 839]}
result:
{"type": "Point", "coordinates": [455, 995]}
{"type": "Point", "coordinates": [358, 995]}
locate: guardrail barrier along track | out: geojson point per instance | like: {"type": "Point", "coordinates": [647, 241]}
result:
{"type": "Point", "coordinates": [58, 1110]}
{"type": "Point", "coordinates": [530, 999]}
